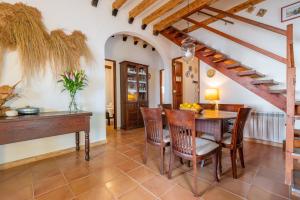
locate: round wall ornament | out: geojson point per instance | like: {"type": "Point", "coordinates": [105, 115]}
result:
{"type": "Point", "coordinates": [211, 73]}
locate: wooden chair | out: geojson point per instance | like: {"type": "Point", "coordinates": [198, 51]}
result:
{"type": "Point", "coordinates": [235, 141]}
{"type": "Point", "coordinates": [165, 106]}
{"type": "Point", "coordinates": [186, 145]}
{"type": "Point", "coordinates": [154, 133]}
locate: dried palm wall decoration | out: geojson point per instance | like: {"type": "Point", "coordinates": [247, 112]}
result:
{"type": "Point", "coordinates": [22, 29]}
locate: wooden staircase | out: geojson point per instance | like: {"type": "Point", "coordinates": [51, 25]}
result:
{"type": "Point", "coordinates": [251, 79]}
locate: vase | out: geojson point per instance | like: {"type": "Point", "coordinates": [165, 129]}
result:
{"type": "Point", "coordinates": [73, 105]}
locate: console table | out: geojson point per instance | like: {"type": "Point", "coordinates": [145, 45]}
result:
{"type": "Point", "coordinates": [29, 127]}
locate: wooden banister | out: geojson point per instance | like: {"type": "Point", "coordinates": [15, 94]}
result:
{"type": "Point", "coordinates": [239, 41]}
{"type": "Point", "coordinates": [249, 21]}
{"type": "Point", "coordinates": [290, 119]}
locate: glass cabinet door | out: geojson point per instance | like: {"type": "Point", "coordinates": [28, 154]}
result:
{"type": "Point", "coordinates": [132, 93]}
{"type": "Point", "coordinates": [142, 77]}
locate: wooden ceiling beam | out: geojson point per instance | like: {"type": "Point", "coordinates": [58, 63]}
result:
{"type": "Point", "coordinates": [249, 21]}
{"type": "Point", "coordinates": [160, 11]}
{"type": "Point", "coordinates": [95, 3]}
{"type": "Point", "coordinates": [141, 7]}
{"type": "Point", "coordinates": [232, 10]}
{"type": "Point", "coordinates": [117, 4]}
{"type": "Point", "coordinates": [184, 12]}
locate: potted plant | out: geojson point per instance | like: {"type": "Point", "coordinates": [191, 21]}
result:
{"type": "Point", "coordinates": [73, 81]}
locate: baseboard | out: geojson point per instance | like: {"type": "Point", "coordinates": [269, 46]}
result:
{"type": "Point", "coordinates": [274, 144]}
{"type": "Point", "coordinates": [24, 161]}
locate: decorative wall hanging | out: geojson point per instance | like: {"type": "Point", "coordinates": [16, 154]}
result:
{"type": "Point", "coordinates": [22, 29]}
{"type": "Point", "coordinates": [7, 93]}
{"type": "Point", "coordinates": [290, 12]}
{"type": "Point", "coordinates": [261, 12]}
{"type": "Point", "coordinates": [210, 73]}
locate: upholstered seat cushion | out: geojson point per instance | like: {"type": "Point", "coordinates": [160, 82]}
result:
{"type": "Point", "coordinates": [204, 146]}
{"type": "Point", "coordinates": [166, 136]}
{"type": "Point", "coordinates": [227, 140]}
{"type": "Point", "coordinates": [212, 138]}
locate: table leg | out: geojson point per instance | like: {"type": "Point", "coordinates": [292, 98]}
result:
{"type": "Point", "coordinates": [87, 146]}
{"type": "Point", "coordinates": [77, 141]}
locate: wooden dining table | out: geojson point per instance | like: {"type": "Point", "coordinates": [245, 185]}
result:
{"type": "Point", "coordinates": [213, 122]}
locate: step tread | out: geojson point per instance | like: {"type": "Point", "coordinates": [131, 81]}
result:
{"type": "Point", "coordinates": [267, 81]}
{"type": "Point", "coordinates": [295, 187]}
{"type": "Point", "coordinates": [250, 72]}
{"type": "Point", "coordinates": [277, 91]}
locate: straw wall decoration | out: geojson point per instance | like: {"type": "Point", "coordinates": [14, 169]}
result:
{"type": "Point", "coordinates": [22, 29]}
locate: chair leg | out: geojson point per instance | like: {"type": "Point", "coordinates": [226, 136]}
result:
{"type": "Point", "coordinates": [170, 165]}
{"type": "Point", "coordinates": [195, 178]}
{"type": "Point", "coordinates": [215, 164]}
{"type": "Point", "coordinates": [145, 153]}
{"type": "Point", "coordinates": [233, 163]}
{"type": "Point", "coordinates": [162, 160]}
{"type": "Point", "coordinates": [241, 155]}
{"type": "Point", "coordinates": [181, 161]}
{"type": "Point", "coordinates": [220, 160]}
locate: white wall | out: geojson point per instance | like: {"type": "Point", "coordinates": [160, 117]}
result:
{"type": "Point", "coordinates": [98, 24]}
{"type": "Point", "coordinates": [118, 50]}
{"type": "Point", "coordinates": [109, 80]}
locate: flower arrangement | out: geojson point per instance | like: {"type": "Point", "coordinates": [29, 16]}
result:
{"type": "Point", "coordinates": [73, 81]}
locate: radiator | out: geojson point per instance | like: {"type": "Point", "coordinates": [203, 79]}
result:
{"type": "Point", "coordinates": [266, 126]}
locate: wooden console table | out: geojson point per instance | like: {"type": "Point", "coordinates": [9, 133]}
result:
{"type": "Point", "coordinates": [28, 127]}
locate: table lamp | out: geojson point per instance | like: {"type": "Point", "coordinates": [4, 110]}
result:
{"type": "Point", "coordinates": [212, 94]}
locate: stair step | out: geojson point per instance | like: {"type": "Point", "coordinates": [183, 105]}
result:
{"type": "Point", "coordinates": [295, 187]}
{"type": "Point", "coordinates": [232, 65]}
{"type": "Point", "coordinates": [218, 60]}
{"type": "Point", "coordinates": [266, 82]}
{"type": "Point", "coordinates": [200, 47]}
{"type": "Point", "coordinates": [209, 53]}
{"type": "Point", "coordinates": [277, 91]}
{"type": "Point", "coordinates": [296, 153]}
{"type": "Point", "coordinates": [250, 73]}
{"type": "Point", "coordinates": [297, 132]}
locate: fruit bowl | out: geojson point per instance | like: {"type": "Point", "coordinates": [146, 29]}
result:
{"type": "Point", "coordinates": [194, 107]}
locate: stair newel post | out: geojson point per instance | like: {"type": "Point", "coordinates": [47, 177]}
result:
{"type": "Point", "coordinates": [290, 104]}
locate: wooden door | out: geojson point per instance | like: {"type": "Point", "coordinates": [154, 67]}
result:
{"type": "Point", "coordinates": [177, 84]}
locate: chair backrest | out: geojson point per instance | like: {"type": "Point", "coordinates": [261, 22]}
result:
{"type": "Point", "coordinates": [165, 106]}
{"type": "Point", "coordinates": [208, 106]}
{"type": "Point", "coordinates": [153, 124]}
{"type": "Point", "coordinates": [182, 132]}
{"type": "Point", "coordinates": [239, 125]}
{"type": "Point", "coordinates": [231, 107]}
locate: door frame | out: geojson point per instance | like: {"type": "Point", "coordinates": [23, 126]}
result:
{"type": "Point", "coordinates": [172, 73]}
{"type": "Point", "coordinates": [115, 91]}
{"type": "Point", "coordinates": [160, 86]}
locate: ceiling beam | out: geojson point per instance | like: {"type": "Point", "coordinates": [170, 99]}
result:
{"type": "Point", "coordinates": [141, 7]}
{"type": "Point", "coordinates": [184, 12]}
{"type": "Point", "coordinates": [95, 3]}
{"type": "Point", "coordinates": [160, 11]}
{"type": "Point", "coordinates": [249, 21]}
{"type": "Point", "coordinates": [117, 4]}
{"type": "Point", "coordinates": [232, 10]}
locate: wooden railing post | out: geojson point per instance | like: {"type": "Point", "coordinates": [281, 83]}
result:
{"type": "Point", "coordinates": [290, 108]}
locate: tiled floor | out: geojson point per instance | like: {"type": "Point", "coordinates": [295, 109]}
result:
{"type": "Point", "coordinates": [115, 171]}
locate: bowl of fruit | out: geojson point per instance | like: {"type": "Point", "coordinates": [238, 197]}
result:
{"type": "Point", "coordinates": [194, 107]}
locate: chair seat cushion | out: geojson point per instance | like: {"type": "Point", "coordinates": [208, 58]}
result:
{"type": "Point", "coordinates": [227, 140]}
{"type": "Point", "coordinates": [166, 136]}
{"type": "Point", "coordinates": [204, 146]}
{"type": "Point", "coordinates": [212, 138]}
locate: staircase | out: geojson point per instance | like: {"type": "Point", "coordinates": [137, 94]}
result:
{"type": "Point", "coordinates": [254, 81]}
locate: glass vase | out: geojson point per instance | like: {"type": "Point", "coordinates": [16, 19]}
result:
{"type": "Point", "coordinates": [73, 105]}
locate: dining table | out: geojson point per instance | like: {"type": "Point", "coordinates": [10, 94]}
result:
{"type": "Point", "coordinates": [212, 122]}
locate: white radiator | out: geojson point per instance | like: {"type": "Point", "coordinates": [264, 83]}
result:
{"type": "Point", "coordinates": [266, 126]}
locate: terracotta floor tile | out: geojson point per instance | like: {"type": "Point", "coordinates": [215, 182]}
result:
{"type": "Point", "coordinates": [137, 194]}
{"type": "Point", "coordinates": [128, 165]}
{"type": "Point", "coordinates": [141, 174]}
{"type": "Point", "coordinates": [187, 181]}
{"type": "Point", "coordinates": [84, 184]}
{"type": "Point", "coordinates": [271, 186]}
{"type": "Point", "coordinates": [256, 193]}
{"type": "Point", "coordinates": [218, 194]}
{"type": "Point", "coordinates": [97, 193]}
{"type": "Point", "coordinates": [24, 193]}
{"type": "Point", "coordinates": [132, 153]}
{"type": "Point", "coordinates": [48, 184]}
{"type": "Point", "coordinates": [120, 185]}
{"type": "Point", "coordinates": [178, 193]}
{"type": "Point", "coordinates": [76, 173]}
{"type": "Point", "coordinates": [158, 185]}
{"type": "Point", "coordinates": [235, 186]}
{"type": "Point", "coordinates": [62, 193]}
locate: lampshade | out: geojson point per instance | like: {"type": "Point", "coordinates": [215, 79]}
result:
{"type": "Point", "coordinates": [212, 94]}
